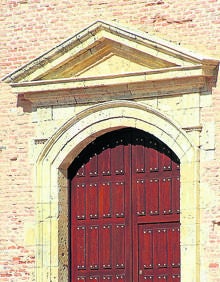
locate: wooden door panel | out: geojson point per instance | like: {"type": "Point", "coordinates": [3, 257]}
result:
{"type": "Point", "coordinates": [145, 248]}
{"type": "Point", "coordinates": [117, 159]}
{"type": "Point", "coordinates": [157, 197]}
{"type": "Point", "coordinates": [92, 200]}
{"type": "Point", "coordinates": [104, 162]}
{"type": "Point", "coordinates": [100, 248]}
{"type": "Point", "coordinates": [119, 245]}
{"type": "Point", "coordinates": [140, 192]}
{"type": "Point", "coordinates": [125, 210]}
{"type": "Point", "coordinates": [176, 194]}
{"type": "Point", "coordinates": [160, 247]}
{"type": "Point", "coordinates": [118, 199]}
{"type": "Point", "coordinates": [92, 166]}
{"type": "Point", "coordinates": [79, 199]}
{"type": "Point", "coordinates": [138, 156]}
{"type": "Point", "coordinates": [166, 162]}
{"type": "Point", "coordinates": [93, 247]}
{"type": "Point", "coordinates": [81, 250]}
{"type": "Point", "coordinates": [173, 245]}
{"type": "Point", "coordinates": [165, 196]}
{"type": "Point", "coordinates": [105, 202]}
{"type": "Point", "coordinates": [161, 242]}
{"type": "Point", "coordinates": [153, 196]}
{"type": "Point", "coordinates": [153, 159]}
{"type": "Point", "coordinates": [106, 247]}
{"type": "Point", "coordinates": [100, 234]}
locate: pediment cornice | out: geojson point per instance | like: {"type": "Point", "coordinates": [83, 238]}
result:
{"type": "Point", "coordinates": [110, 56]}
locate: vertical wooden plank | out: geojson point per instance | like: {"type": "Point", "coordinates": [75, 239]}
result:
{"type": "Point", "coordinates": [174, 245]}
{"type": "Point", "coordinates": [80, 251]}
{"type": "Point", "coordinates": [145, 247]}
{"type": "Point", "coordinates": [153, 196]}
{"type": "Point", "coordinates": [93, 247]}
{"type": "Point", "coordinates": [160, 247]}
{"type": "Point", "coordinates": [176, 194]}
{"type": "Point", "coordinates": [140, 196]}
{"type": "Point", "coordinates": [119, 246]}
{"type": "Point", "coordinates": [165, 160]}
{"type": "Point", "coordinates": [105, 201]}
{"type": "Point", "coordinates": [79, 200]}
{"type": "Point", "coordinates": [138, 156]}
{"type": "Point", "coordinates": [92, 200]}
{"type": "Point", "coordinates": [92, 166]}
{"type": "Point", "coordinates": [165, 197]}
{"type": "Point", "coordinates": [106, 247]}
{"type": "Point", "coordinates": [118, 199]}
{"type": "Point", "coordinates": [153, 159]}
{"type": "Point", "coordinates": [104, 162]}
{"type": "Point", "coordinates": [117, 159]}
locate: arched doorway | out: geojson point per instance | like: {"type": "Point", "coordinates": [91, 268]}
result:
{"type": "Point", "coordinates": [125, 206]}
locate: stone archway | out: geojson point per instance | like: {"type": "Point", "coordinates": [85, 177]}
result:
{"type": "Point", "coordinates": [52, 182]}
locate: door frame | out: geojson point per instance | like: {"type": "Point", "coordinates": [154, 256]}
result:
{"type": "Point", "coordinates": [52, 184]}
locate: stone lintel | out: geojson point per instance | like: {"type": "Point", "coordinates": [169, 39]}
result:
{"type": "Point", "coordinates": [173, 81]}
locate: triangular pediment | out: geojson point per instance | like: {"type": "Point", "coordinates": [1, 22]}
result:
{"type": "Point", "coordinates": [102, 50]}
{"type": "Point", "coordinates": [106, 57]}
{"type": "Point", "coordinates": [107, 61]}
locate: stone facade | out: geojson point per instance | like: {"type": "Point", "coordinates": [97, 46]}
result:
{"type": "Point", "coordinates": [107, 76]}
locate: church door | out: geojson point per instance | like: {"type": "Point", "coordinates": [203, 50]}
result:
{"type": "Point", "coordinates": [124, 206]}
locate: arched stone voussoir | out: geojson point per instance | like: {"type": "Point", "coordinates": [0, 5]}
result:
{"type": "Point", "coordinates": [82, 129]}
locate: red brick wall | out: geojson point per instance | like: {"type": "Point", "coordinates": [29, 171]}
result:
{"type": "Point", "coordinates": [16, 191]}
{"type": "Point", "coordinates": [213, 216]}
{"type": "Point", "coordinates": [31, 27]}
{"type": "Point", "coordinates": [209, 179]}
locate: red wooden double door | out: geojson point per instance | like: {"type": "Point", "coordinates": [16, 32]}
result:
{"type": "Point", "coordinates": [125, 206]}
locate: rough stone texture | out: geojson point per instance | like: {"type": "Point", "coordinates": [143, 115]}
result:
{"type": "Point", "coordinates": [31, 27]}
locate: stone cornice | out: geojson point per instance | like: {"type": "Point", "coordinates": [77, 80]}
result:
{"type": "Point", "coordinates": [123, 90]}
